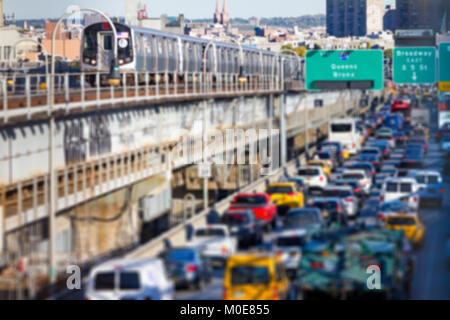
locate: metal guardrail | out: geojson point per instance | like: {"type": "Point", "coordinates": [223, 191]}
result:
{"type": "Point", "coordinates": [28, 95]}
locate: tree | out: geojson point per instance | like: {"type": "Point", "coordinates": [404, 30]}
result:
{"type": "Point", "coordinates": [388, 54]}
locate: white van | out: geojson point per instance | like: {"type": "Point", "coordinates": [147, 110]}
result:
{"type": "Point", "coordinates": [403, 189]}
{"type": "Point", "coordinates": [346, 132]}
{"type": "Point", "coordinates": [125, 279]}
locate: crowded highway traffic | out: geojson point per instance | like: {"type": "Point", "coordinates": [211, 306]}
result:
{"type": "Point", "coordinates": [364, 217]}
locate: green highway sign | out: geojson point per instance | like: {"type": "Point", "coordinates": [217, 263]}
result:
{"type": "Point", "coordinates": [344, 69]}
{"type": "Point", "coordinates": [414, 65]}
{"type": "Point", "coordinates": [444, 66]}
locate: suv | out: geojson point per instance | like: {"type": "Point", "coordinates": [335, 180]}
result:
{"type": "Point", "coordinates": [404, 189]}
{"type": "Point", "coordinates": [360, 175]}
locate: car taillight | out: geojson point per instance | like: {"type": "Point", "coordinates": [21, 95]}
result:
{"type": "Point", "coordinates": [375, 163]}
{"type": "Point", "coordinates": [321, 179]}
{"type": "Point", "coordinates": [424, 146]}
{"type": "Point", "coordinates": [372, 173]}
{"type": "Point", "coordinates": [225, 294]}
{"type": "Point", "coordinates": [87, 298]}
{"type": "Point", "coordinates": [191, 268]}
{"type": "Point", "coordinates": [349, 200]}
{"type": "Point", "coordinates": [224, 250]}
{"type": "Point", "coordinates": [275, 292]}
{"type": "Point", "coordinates": [386, 151]}
{"type": "Point", "coordinates": [381, 198]}
{"type": "Point", "coordinates": [316, 265]}
{"type": "Point", "coordinates": [148, 298]}
{"type": "Point", "coordinates": [357, 190]}
{"type": "Point", "coordinates": [291, 194]}
{"type": "Point", "coordinates": [415, 199]}
{"type": "Point", "coordinates": [339, 209]}
{"type": "Point", "coordinates": [340, 154]}
{"type": "Point", "coordinates": [381, 217]}
{"type": "Point", "coordinates": [354, 145]}
{"type": "Point", "coordinates": [441, 190]}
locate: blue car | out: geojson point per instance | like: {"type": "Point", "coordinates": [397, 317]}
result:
{"type": "Point", "coordinates": [431, 187]}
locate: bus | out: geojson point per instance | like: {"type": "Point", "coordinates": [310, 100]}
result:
{"type": "Point", "coordinates": [346, 132]}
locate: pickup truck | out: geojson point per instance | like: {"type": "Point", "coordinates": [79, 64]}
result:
{"type": "Point", "coordinates": [215, 242]}
{"type": "Point", "coordinates": [261, 205]}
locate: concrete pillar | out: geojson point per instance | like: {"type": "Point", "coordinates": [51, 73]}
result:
{"type": "Point", "coordinates": [283, 138]}
{"type": "Point", "coordinates": [1, 230]}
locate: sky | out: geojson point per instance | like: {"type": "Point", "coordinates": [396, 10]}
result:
{"type": "Point", "coordinates": [193, 9]}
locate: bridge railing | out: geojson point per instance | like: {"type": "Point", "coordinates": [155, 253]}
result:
{"type": "Point", "coordinates": [28, 95]}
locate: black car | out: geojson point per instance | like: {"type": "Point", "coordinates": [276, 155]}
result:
{"type": "Point", "coordinates": [244, 226]}
{"type": "Point", "coordinates": [368, 215]}
{"type": "Point", "coordinates": [186, 267]}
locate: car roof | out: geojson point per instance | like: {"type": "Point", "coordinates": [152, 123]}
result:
{"type": "Point", "coordinates": [427, 172]}
{"type": "Point", "coordinates": [400, 179]}
{"type": "Point", "coordinates": [330, 187]}
{"type": "Point", "coordinates": [288, 233]}
{"type": "Point", "coordinates": [125, 264]}
{"type": "Point", "coordinates": [281, 184]}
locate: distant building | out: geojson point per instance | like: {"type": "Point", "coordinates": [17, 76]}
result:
{"type": "Point", "coordinates": [390, 18]}
{"type": "Point", "coordinates": [254, 21]}
{"type": "Point", "coordinates": [93, 18]}
{"type": "Point", "coordinates": [423, 14]}
{"type": "Point", "coordinates": [221, 17]}
{"type": "Point", "coordinates": [165, 23]}
{"type": "Point", "coordinates": [354, 17]}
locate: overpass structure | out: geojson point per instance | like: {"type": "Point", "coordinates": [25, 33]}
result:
{"type": "Point", "coordinates": [115, 147]}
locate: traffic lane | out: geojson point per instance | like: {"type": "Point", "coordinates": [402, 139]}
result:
{"type": "Point", "coordinates": [431, 279]}
{"type": "Point", "coordinates": [211, 291]}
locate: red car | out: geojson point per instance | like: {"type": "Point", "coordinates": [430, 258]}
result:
{"type": "Point", "coordinates": [259, 203]}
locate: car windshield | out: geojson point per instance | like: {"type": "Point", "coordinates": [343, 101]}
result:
{"type": "Point", "coordinates": [353, 176]}
{"type": "Point", "coordinates": [324, 205]}
{"type": "Point", "coordinates": [242, 275]}
{"type": "Point", "coordinates": [401, 221]}
{"type": "Point", "coordinates": [213, 232]}
{"type": "Point", "coordinates": [104, 281]}
{"type": "Point", "coordinates": [279, 189]}
{"type": "Point", "coordinates": [308, 172]}
{"type": "Point", "coordinates": [297, 219]}
{"type": "Point", "coordinates": [370, 151]}
{"type": "Point", "coordinates": [129, 280]}
{"type": "Point", "coordinates": [235, 218]}
{"type": "Point", "coordinates": [427, 179]}
{"type": "Point", "coordinates": [292, 241]}
{"type": "Point", "coordinates": [337, 193]}
{"type": "Point", "coordinates": [250, 200]}
{"type": "Point", "coordinates": [182, 255]}
{"type": "Point", "coordinates": [324, 156]}
{"type": "Point", "coordinates": [341, 127]}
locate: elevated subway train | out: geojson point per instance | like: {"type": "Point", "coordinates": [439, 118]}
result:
{"type": "Point", "coordinates": [144, 50]}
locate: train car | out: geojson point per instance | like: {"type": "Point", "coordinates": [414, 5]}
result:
{"type": "Point", "coordinates": [164, 55]}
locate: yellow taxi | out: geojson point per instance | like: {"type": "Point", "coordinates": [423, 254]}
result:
{"type": "Point", "coordinates": [412, 227]}
{"type": "Point", "coordinates": [255, 276]}
{"type": "Point", "coordinates": [286, 194]}
{"type": "Point", "coordinates": [346, 154]}
{"type": "Point", "coordinates": [322, 164]}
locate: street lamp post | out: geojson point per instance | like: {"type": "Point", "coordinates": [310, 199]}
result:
{"type": "Point", "coordinates": [52, 174]}
{"type": "Point", "coordinates": [283, 116]}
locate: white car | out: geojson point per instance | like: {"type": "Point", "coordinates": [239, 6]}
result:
{"type": "Point", "coordinates": [347, 195]}
{"type": "Point", "coordinates": [126, 279]}
{"type": "Point", "coordinates": [361, 175]}
{"type": "Point", "coordinates": [405, 189]}
{"type": "Point", "coordinates": [215, 242]}
{"type": "Point", "coordinates": [313, 176]}
{"type": "Point", "coordinates": [288, 244]}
